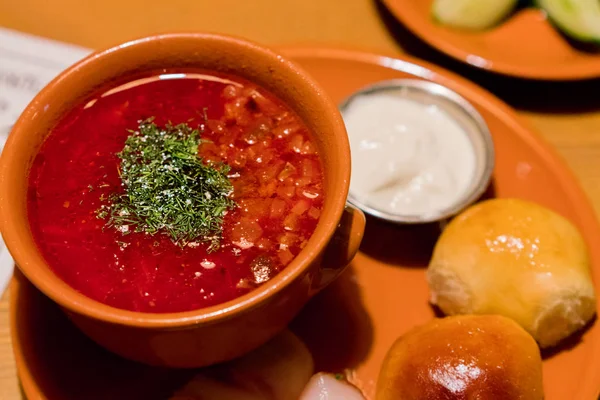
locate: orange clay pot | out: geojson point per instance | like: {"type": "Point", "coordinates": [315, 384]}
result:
{"type": "Point", "coordinates": [210, 335]}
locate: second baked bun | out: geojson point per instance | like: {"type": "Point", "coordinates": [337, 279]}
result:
{"type": "Point", "coordinates": [518, 259]}
{"type": "Point", "coordinates": [463, 357]}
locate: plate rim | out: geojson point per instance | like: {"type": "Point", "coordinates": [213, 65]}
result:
{"type": "Point", "coordinates": [557, 165]}
{"type": "Point", "coordinates": [418, 26]}
{"type": "Point", "coordinates": [26, 381]}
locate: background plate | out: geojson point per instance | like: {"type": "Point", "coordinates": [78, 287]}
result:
{"type": "Point", "coordinates": [526, 45]}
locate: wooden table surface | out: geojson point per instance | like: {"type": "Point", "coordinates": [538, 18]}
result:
{"type": "Point", "coordinates": [566, 114]}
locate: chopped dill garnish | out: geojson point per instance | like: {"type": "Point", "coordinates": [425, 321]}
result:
{"type": "Point", "coordinates": [167, 187]}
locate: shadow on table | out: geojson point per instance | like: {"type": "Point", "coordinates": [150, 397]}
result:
{"type": "Point", "coordinates": [540, 96]}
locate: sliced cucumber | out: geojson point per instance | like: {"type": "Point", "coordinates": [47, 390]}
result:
{"type": "Point", "coordinates": [472, 14]}
{"type": "Point", "coordinates": [578, 19]}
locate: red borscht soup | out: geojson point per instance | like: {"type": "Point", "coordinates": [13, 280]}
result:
{"type": "Point", "coordinates": [175, 192]}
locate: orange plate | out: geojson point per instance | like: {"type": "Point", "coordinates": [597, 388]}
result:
{"type": "Point", "coordinates": [526, 45]}
{"type": "Point", "coordinates": [350, 326]}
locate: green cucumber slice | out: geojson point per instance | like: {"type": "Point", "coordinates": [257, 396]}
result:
{"type": "Point", "coordinates": [472, 14]}
{"type": "Point", "coordinates": [578, 19]}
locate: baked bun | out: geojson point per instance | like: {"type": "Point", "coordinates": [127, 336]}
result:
{"type": "Point", "coordinates": [517, 259]}
{"type": "Point", "coordinates": [463, 357]}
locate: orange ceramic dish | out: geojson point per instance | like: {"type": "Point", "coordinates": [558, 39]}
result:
{"type": "Point", "coordinates": [512, 48]}
{"type": "Point", "coordinates": [216, 333]}
{"type": "Point", "coordinates": [383, 295]}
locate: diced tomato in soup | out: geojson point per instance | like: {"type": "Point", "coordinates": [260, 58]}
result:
{"type": "Point", "coordinates": [275, 171]}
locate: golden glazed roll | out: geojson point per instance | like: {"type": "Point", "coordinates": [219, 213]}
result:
{"type": "Point", "coordinates": [463, 357]}
{"type": "Point", "coordinates": [517, 259]}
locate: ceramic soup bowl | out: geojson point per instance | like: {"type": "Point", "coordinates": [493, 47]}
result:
{"type": "Point", "coordinates": [217, 333]}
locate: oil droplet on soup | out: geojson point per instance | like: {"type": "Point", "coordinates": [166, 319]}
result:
{"type": "Point", "coordinates": [275, 173]}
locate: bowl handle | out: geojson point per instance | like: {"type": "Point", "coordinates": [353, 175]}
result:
{"type": "Point", "coordinates": [342, 247]}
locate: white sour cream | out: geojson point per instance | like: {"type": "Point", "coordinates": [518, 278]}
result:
{"type": "Point", "coordinates": [409, 158]}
